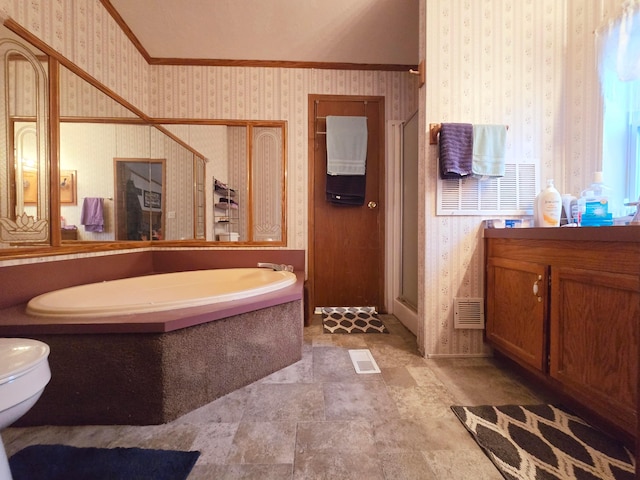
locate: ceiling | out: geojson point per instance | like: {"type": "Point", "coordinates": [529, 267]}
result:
{"type": "Point", "coordinates": [367, 32]}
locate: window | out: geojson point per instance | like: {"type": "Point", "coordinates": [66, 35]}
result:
{"type": "Point", "coordinates": [619, 68]}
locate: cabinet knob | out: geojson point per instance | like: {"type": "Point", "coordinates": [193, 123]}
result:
{"type": "Point", "coordinates": [536, 288]}
{"type": "Point", "coordinates": [372, 205]}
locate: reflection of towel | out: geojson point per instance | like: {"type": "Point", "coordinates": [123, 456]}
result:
{"type": "Point", "coordinates": [346, 189]}
{"type": "Point", "coordinates": [346, 145]}
{"type": "Point", "coordinates": [92, 216]}
{"type": "Point", "coordinates": [488, 150]}
{"type": "Point", "coordinates": [456, 149]}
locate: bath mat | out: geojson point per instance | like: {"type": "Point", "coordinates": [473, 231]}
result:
{"type": "Point", "coordinates": [62, 462]}
{"type": "Point", "coordinates": [544, 442]}
{"type": "Point", "coordinates": [351, 320]}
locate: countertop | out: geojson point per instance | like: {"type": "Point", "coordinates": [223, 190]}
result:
{"type": "Point", "coordinates": [619, 233]}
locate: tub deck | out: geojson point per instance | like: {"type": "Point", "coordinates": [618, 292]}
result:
{"type": "Point", "coordinates": [151, 368]}
{"type": "Point", "coordinates": [14, 321]}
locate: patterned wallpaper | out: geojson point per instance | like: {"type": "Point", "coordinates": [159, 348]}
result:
{"type": "Point", "coordinates": [275, 94]}
{"type": "Point", "coordinates": [487, 61]}
{"type": "Point", "coordinates": [501, 61]}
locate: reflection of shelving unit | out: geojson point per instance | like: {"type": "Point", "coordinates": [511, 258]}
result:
{"type": "Point", "coordinates": [226, 214]}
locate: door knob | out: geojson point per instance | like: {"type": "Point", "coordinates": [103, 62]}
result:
{"type": "Point", "coordinates": [372, 205]}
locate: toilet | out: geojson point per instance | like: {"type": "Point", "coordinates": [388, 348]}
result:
{"type": "Point", "coordinates": [24, 372]}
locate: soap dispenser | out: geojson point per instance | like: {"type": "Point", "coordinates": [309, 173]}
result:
{"type": "Point", "coordinates": [549, 206]}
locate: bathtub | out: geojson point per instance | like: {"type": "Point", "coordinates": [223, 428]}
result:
{"type": "Point", "coordinates": [120, 360]}
{"type": "Point", "coordinates": [160, 292]}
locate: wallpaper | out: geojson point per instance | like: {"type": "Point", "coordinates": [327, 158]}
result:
{"type": "Point", "coordinates": [501, 61]}
{"type": "Point", "coordinates": [525, 63]}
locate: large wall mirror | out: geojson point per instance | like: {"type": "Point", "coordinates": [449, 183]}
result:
{"type": "Point", "coordinates": [24, 150]}
{"type": "Point", "coordinates": [126, 178]}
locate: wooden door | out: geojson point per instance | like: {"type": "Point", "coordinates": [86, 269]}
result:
{"type": "Point", "coordinates": [517, 302]}
{"type": "Point", "coordinates": [346, 243]}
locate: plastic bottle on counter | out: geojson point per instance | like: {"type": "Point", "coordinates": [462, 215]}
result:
{"type": "Point", "coordinates": [594, 204]}
{"type": "Point", "coordinates": [549, 206]}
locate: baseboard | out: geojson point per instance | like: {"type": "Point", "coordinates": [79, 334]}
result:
{"type": "Point", "coordinates": [459, 355]}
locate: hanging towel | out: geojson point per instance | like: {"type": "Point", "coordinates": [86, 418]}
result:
{"type": "Point", "coordinates": [489, 150]}
{"type": "Point", "coordinates": [346, 189]}
{"type": "Point", "coordinates": [92, 216]}
{"type": "Point", "coordinates": [346, 145]}
{"type": "Point", "coordinates": [456, 149]}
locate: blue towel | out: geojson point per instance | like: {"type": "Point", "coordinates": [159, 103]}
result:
{"type": "Point", "coordinates": [92, 216]}
{"type": "Point", "coordinates": [346, 145]}
{"type": "Point", "coordinates": [489, 150]}
{"type": "Point", "coordinates": [456, 149]}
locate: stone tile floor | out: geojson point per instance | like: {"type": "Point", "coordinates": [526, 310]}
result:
{"type": "Point", "coordinates": [318, 419]}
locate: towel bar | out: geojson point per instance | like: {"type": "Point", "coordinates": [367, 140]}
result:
{"type": "Point", "coordinates": [434, 130]}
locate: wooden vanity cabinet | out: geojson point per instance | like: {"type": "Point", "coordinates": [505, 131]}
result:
{"type": "Point", "coordinates": [516, 320]}
{"type": "Point", "coordinates": [594, 339]}
{"type": "Point", "coordinates": [579, 330]}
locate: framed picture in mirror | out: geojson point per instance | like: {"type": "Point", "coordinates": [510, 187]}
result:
{"type": "Point", "coordinates": [68, 187]}
{"type": "Point", "coordinates": [30, 186]}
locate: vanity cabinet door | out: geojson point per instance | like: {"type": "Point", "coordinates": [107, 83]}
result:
{"type": "Point", "coordinates": [594, 340]}
{"type": "Point", "coordinates": [517, 301]}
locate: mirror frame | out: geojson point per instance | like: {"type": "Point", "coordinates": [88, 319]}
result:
{"type": "Point", "coordinates": [56, 246]}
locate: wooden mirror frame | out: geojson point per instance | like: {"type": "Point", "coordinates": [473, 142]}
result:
{"type": "Point", "coordinates": [56, 246]}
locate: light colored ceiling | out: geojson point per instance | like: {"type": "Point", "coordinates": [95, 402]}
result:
{"type": "Point", "coordinates": [325, 31]}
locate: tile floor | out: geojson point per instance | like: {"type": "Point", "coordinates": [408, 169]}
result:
{"type": "Point", "coordinates": [318, 419]}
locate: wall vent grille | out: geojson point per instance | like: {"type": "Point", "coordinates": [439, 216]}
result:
{"type": "Point", "coordinates": [468, 313]}
{"type": "Point", "coordinates": [512, 194]}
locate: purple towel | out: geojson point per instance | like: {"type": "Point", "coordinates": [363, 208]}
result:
{"type": "Point", "coordinates": [92, 216]}
{"type": "Point", "coordinates": [456, 150]}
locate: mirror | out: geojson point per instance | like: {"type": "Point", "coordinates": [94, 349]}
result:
{"type": "Point", "coordinates": [97, 136]}
{"type": "Point", "coordinates": [246, 168]}
{"type": "Point", "coordinates": [24, 154]}
{"type": "Point", "coordinates": [99, 130]}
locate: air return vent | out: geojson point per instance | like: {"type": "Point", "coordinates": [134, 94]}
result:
{"type": "Point", "coordinates": [363, 361]}
{"type": "Point", "coordinates": [468, 313]}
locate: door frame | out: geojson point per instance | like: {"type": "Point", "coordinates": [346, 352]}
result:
{"type": "Point", "coordinates": [312, 98]}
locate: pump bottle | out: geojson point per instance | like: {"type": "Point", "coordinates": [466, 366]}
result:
{"type": "Point", "coordinates": [549, 206]}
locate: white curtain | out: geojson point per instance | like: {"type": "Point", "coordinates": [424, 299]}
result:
{"type": "Point", "coordinates": [618, 46]}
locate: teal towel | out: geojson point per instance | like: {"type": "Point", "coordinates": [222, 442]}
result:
{"type": "Point", "coordinates": [346, 145]}
{"type": "Point", "coordinates": [489, 143]}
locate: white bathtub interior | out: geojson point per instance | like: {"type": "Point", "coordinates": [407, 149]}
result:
{"type": "Point", "coordinates": [159, 292]}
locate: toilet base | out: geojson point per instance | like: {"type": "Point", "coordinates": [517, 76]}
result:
{"type": "Point", "coordinates": [5, 471]}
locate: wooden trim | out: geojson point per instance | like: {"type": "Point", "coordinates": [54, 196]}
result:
{"type": "Point", "coordinates": [54, 151]}
{"type": "Point", "coordinates": [205, 62]}
{"type": "Point", "coordinates": [119, 120]}
{"type": "Point", "coordinates": [125, 29]}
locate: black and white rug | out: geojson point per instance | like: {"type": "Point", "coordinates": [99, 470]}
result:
{"type": "Point", "coordinates": [351, 320]}
{"type": "Point", "coordinates": [544, 442]}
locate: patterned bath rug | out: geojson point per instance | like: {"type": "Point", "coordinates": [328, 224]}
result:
{"type": "Point", "coordinates": [544, 442]}
{"type": "Point", "coordinates": [351, 320]}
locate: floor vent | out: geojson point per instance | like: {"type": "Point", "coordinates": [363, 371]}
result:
{"type": "Point", "coordinates": [363, 361]}
{"type": "Point", "coordinates": [468, 313]}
